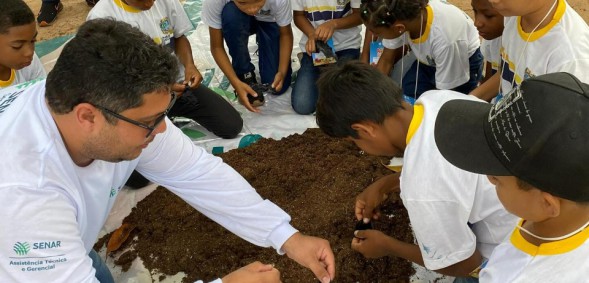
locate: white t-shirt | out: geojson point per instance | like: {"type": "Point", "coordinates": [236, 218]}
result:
{"type": "Point", "coordinates": [52, 210]}
{"type": "Point", "coordinates": [320, 11]}
{"type": "Point", "coordinates": [28, 73]}
{"type": "Point", "coordinates": [517, 261]}
{"type": "Point", "coordinates": [561, 46]}
{"type": "Point", "coordinates": [165, 21]}
{"type": "Point", "coordinates": [279, 11]}
{"type": "Point", "coordinates": [491, 50]}
{"type": "Point", "coordinates": [448, 41]}
{"type": "Point", "coordinates": [443, 200]}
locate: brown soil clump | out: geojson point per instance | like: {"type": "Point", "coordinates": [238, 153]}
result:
{"type": "Point", "coordinates": [312, 177]}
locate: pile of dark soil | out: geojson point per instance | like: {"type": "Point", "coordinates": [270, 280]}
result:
{"type": "Point", "coordinates": [311, 176]}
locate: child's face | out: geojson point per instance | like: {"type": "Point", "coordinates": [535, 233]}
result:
{"type": "Point", "coordinates": [17, 46]}
{"type": "Point", "coordinates": [509, 8]}
{"type": "Point", "coordinates": [488, 21]}
{"type": "Point", "coordinates": [526, 204]}
{"type": "Point", "coordinates": [142, 5]}
{"type": "Point", "coordinates": [250, 7]}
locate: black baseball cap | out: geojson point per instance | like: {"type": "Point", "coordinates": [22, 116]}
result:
{"type": "Point", "coordinates": [539, 133]}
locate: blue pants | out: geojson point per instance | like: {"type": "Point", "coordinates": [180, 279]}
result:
{"type": "Point", "coordinates": [427, 77]}
{"type": "Point", "coordinates": [102, 273]}
{"type": "Point", "coordinates": [237, 27]}
{"type": "Point", "coordinates": [304, 92]}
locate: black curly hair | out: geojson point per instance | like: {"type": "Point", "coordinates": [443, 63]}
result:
{"type": "Point", "coordinates": [378, 13]}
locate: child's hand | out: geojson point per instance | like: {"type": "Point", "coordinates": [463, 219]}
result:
{"type": "Point", "coordinates": [254, 272]}
{"type": "Point", "coordinates": [278, 80]}
{"type": "Point", "coordinates": [242, 89]}
{"type": "Point", "coordinates": [372, 243]}
{"type": "Point", "coordinates": [192, 77]}
{"type": "Point", "coordinates": [310, 46]}
{"type": "Point", "coordinates": [325, 31]}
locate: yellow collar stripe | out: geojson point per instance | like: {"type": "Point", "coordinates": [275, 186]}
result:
{"type": "Point", "coordinates": [10, 80]}
{"type": "Point", "coordinates": [551, 248]}
{"type": "Point", "coordinates": [560, 9]}
{"type": "Point", "coordinates": [415, 121]}
{"type": "Point", "coordinates": [126, 7]}
{"type": "Point", "coordinates": [428, 26]}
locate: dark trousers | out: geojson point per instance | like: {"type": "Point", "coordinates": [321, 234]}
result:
{"type": "Point", "coordinates": [427, 77]}
{"type": "Point", "coordinates": [237, 27]}
{"type": "Point", "coordinates": [209, 110]}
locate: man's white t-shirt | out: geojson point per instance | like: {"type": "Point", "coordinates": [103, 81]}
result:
{"type": "Point", "coordinates": [321, 11]}
{"type": "Point", "coordinates": [165, 21]}
{"type": "Point", "coordinates": [516, 260]}
{"type": "Point", "coordinates": [561, 46]}
{"type": "Point", "coordinates": [278, 11]}
{"type": "Point", "coordinates": [448, 41]}
{"type": "Point", "coordinates": [31, 72]}
{"type": "Point", "coordinates": [52, 210]}
{"type": "Point", "coordinates": [443, 200]}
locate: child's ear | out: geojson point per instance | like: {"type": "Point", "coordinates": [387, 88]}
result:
{"type": "Point", "coordinates": [551, 205]}
{"type": "Point", "coordinates": [364, 129]}
{"type": "Point", "coordinates": [400, 28]}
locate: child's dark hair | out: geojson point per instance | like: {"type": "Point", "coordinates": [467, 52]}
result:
{"type": "Point", "coordinates": [14, 13]}
{"type": "Point", "coordinates": [378, 13]}
{"type": "Point", "coordinates": [352, 93]}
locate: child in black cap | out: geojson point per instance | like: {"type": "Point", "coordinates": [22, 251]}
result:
{"type": "Point", "coordinates": [533, 147]}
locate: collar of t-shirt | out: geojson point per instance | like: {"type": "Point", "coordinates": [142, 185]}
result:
{"type": "Point", "coordinates": [415, 121]}
{"type": "Point", "coordinates": [550, 248]}
{"type": "Point", "coordinates": [10, 80]}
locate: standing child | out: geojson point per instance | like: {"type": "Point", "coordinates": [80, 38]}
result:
{"type": "Point", "coordinates": [489, 23]}
{"type": "Point", "coordinates": [322, 20]}
{"type": "Point", "coordinates": [442, 37]}
{"type": "Point", "coordinates": [234, 22]}
{"type": "Point", "coordinates": [456, 216]}
{"type": "Point", "coordinates": [18, 34]}
{"type": "Point", "coordinates": [539, 171]}
{"type": "Point", "coordinates": [540, 37]}
{"type": "Point", "coordinates": [166, 22]}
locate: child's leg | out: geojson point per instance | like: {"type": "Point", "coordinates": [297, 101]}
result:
{"type": "Point", "coordinates": [210, 110]}
{"type": "Point", "coordinates": [268, 38]}
{"type": "Point", "coordinates": [237, 28]}
{"type": "Point", "coordinates": [476, 73]}
{"type": "Point", "coordinates": [304, 92]}
{"type": "Point", "coordinates": [425, 76]}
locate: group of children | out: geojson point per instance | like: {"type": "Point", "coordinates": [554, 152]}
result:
{"type": "Point", "coordinates": [463, 220]}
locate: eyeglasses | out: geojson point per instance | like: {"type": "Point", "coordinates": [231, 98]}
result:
{"type": "Point", "coordinates": [150, 129]}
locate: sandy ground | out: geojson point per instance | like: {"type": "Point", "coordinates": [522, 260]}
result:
{"type": "Point", "coordinates": [75, 11]}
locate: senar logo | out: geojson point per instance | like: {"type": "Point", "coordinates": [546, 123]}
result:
{"type": "Point", "coordinates": [21, 248]}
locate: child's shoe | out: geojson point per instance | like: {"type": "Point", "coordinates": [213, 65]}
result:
{"type": "Point", "coordinates": [48, 13]}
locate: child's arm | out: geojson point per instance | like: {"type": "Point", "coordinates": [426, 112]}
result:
{"type": "Point", "coordinates": [326, 29]}
{"type": "Point", "coordinates": [375, 244]}
{"type": "Point", "coordinates": [221, 58]}
{"type": "Point", "coordinates": [489, 89]}
{"type": "Point", "coordinates": [488, 71]}
{"type": "Point", "coordinates": [388, 59]}
{"type": "Point", "coordinates": [192, 76]}
{"type": "Point", "coordinates": [307, 28]}
{"type": "Point", "coordinates": [365, 55]}
{"type": "Point", "coordinates": [286, 39]}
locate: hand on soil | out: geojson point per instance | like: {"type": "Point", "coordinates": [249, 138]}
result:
{"type": "Point", "coordinates": [313, 253]}
{"type": "Point", "coordinates": [242, 89]}
{"type": "Point", "coordinates": [369, 201]}
{"type": "Point", "coordinates": [255, 272]}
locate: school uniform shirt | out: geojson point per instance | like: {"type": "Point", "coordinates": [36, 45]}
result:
{"type": "Point", "coordinates": [321, 11]}
{"type": "Point", "coordinates": [491, 50]}
{"type": "Point", "coordinates": [452, 211]}
{"type": "Point", "coordinates": [449, 39]}
{"type": "Point", "coordinates": [52, 209]}
{"type": "Point", "coordinates": [165, 21]}
{"type": "Point", "coordinates": [516, 260]}
{"type": "Point", "coordinates": [561, 46]}
{"type": "Point", "coordinates": [28, 73]}
{"type": "Point", "coordinates": [278, 11]}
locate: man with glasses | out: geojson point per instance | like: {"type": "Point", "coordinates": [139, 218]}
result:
{"type": "Point", "coordinates": [69, 143]}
